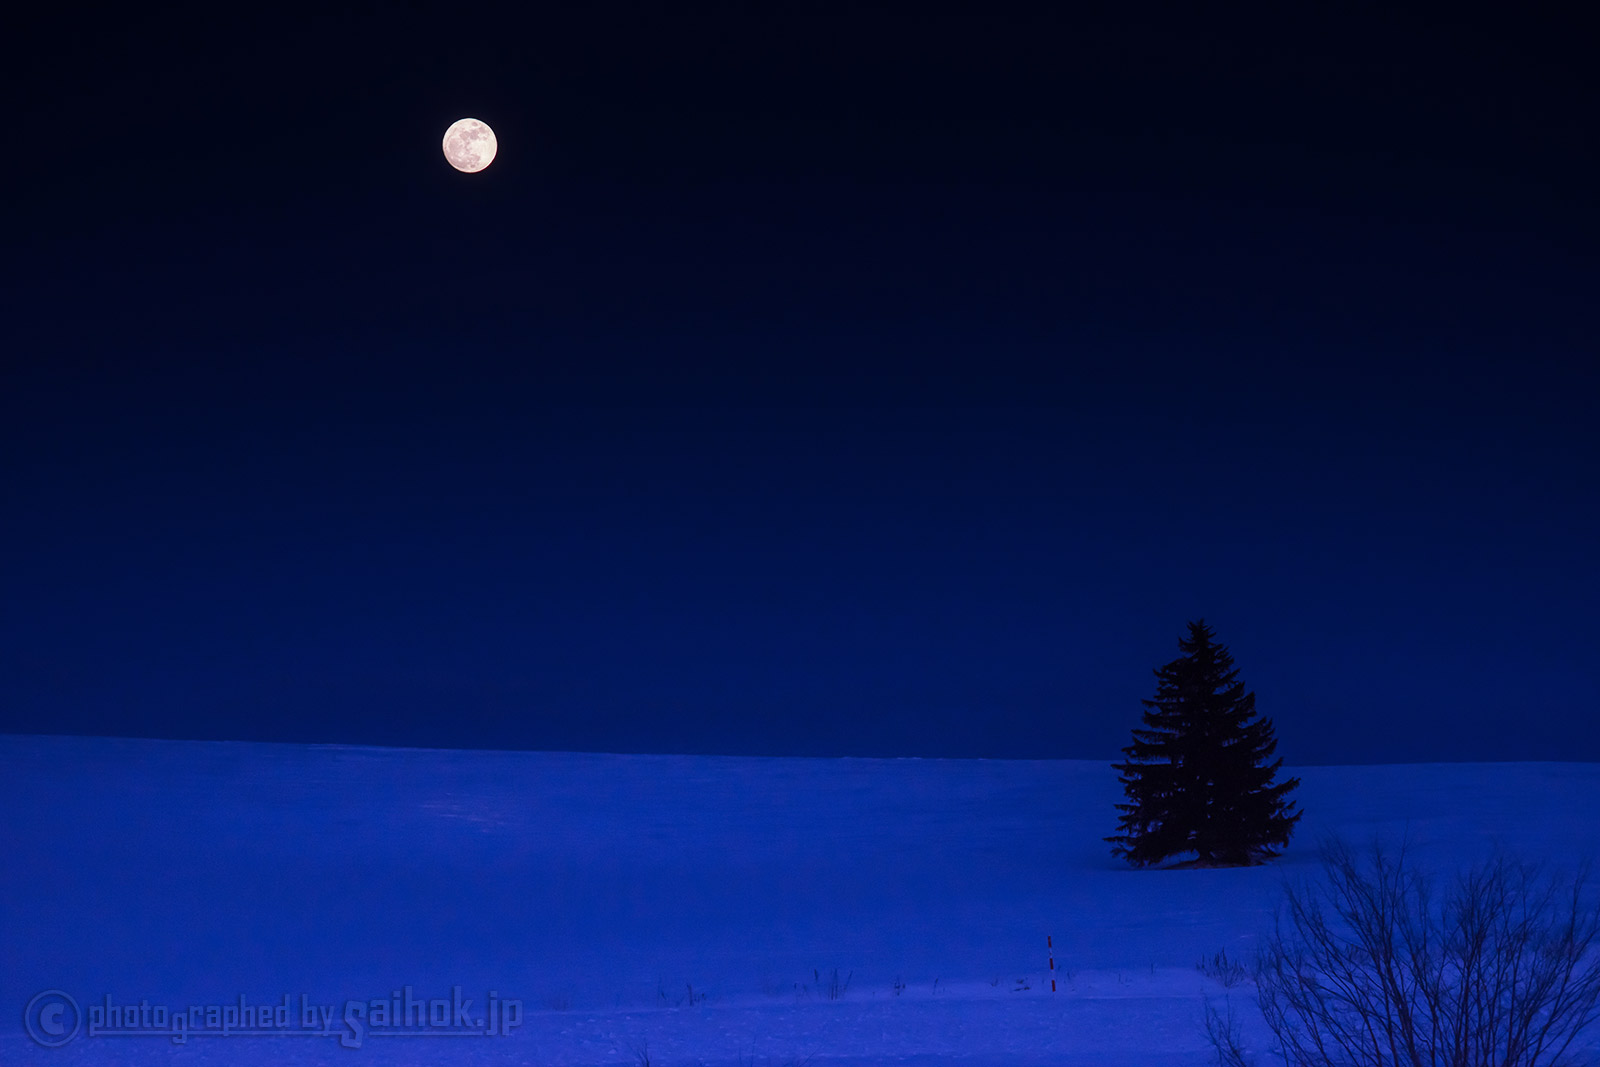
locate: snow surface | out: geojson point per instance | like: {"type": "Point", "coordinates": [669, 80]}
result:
{"type": "Point", "coordinates": [598, 889]}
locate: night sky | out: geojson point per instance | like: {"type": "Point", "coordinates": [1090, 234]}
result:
{"type": "Point", "coordinates": [834, 381]}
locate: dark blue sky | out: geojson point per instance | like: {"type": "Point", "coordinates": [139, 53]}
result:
{"type": "Point", "coordinates": [864, 381]}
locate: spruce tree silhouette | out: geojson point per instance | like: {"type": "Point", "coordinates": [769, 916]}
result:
{"type": "Point", "coordinates": [1196, 776]}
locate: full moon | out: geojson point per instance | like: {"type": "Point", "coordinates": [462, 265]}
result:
{"type": "Point", "coordinates": [469, 145]}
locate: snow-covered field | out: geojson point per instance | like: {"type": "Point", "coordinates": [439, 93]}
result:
{"type": "Point", "coordinates": [598, 890]}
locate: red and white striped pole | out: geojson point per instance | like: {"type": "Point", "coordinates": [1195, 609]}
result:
{"type": "Point", "coordinates": [1049, 944]}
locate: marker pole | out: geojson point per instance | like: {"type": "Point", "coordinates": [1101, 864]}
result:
{"type": "Point", "coordinates": [1050, 944]}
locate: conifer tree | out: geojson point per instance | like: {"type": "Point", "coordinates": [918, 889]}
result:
{"type": "Point", "coordinates": [1196, 776]}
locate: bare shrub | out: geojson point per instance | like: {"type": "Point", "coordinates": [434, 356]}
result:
{"type": "Point", "coordinates": [835, 987]}
{"type": "Point", "coordinates": [1223, 1030]}
{"type": "Point", "coordinates": [1230, 972]}
{"type": "Point", "coordinates": [1378, 968]}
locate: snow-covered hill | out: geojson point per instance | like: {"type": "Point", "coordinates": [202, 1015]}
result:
{"type": "Point", "coordinates": [604, 892]}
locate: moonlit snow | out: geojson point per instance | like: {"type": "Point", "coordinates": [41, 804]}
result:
{"type": "Point", "coordinates": [605, 892]}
